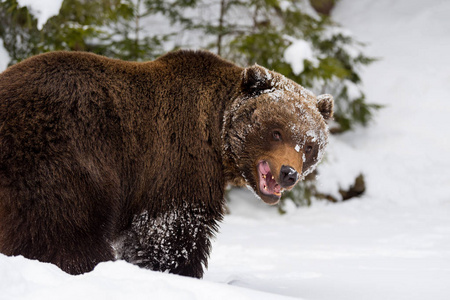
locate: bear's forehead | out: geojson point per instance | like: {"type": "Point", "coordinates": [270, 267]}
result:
{"type": "Point", "coordinates": [299, 109]}
{"type": "Point", "coordinates": [296, 106]}
{"type": "Point", "coordinates": [282, 84]}
{"type": "Point", "coordinates": [298, 117]}
{"type": "Point", "coordinates": [285, 92]}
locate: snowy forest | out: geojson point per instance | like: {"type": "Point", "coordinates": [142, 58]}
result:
{"type": "Point", "coordinates": [370, 223]}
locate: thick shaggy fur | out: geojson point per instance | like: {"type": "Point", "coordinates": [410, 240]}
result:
{"type": "Point", "coordinates": [103, 159]}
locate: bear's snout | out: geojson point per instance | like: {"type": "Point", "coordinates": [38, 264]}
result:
{"type": "Point", "coordinates": [288, 176]}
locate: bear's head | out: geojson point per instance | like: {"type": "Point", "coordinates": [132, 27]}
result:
{"type": "Point", "coordinates": [274, 133]}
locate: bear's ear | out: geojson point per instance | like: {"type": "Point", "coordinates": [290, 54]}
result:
{"type": "Point", "coordinates": [325, 105]}
{"type": "Point", "coordinates": [256, 79]}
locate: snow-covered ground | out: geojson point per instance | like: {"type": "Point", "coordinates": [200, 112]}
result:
{"type": "Point", "coordinates": [392, 243]}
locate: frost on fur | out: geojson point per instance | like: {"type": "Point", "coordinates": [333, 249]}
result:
{"type": "Point", "coordinates": [270, 102]}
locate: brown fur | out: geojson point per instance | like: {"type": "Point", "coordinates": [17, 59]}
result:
{"type": "Point", "coordinates": [275, 104]}
{"type": "Point", "coordinates": [101, 157]}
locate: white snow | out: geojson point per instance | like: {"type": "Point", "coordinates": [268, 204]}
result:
{"type": "Point", "coordinates": [297, 53]}
{"type": "Point", "coordinates": [4, 57]}
{"type": "Point", "coordinates": [27, 279]}
{"type": "Point", "coordinates": [42, 9]}
{"type": "Point", "coordinates": [392, 243]}
{"type": "Point", "coordinates": [353, 91]}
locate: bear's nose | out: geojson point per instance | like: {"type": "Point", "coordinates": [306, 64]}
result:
{"type": "Point", "coordinates": [288, 176]}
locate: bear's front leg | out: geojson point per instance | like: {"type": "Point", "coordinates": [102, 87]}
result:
{"type": "Point", "coordinates": [177, 241]}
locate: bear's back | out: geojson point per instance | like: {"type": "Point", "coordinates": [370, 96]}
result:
{"type": "Point", "coordinates": [129, 116]}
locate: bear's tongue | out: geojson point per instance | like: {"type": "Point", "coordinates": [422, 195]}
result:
{"type": "Point", "coordinates": [267, 183]}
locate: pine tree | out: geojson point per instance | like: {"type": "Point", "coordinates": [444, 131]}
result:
{"type": "Point", "coordinates": [18, 30]}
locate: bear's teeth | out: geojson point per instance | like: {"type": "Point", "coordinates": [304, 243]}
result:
{"type": "Point", "coordinates": [265, 187]}
{"type": "Point", "coordinates": [273, 178]}
{"type": "Point", "coordinates": [264, 176]}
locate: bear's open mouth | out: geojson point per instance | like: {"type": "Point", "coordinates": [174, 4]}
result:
{"type": "Point", "coordinates": [267, 183]}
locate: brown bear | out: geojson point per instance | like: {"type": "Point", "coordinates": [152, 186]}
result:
{"type": "Point", "coordinates": [102, 159]}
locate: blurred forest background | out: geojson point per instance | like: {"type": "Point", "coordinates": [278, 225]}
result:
{"type": "Point", "coordinates": [296, 38]}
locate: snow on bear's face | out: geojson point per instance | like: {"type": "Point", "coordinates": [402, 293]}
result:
{"type": "Point", "coordinates": [275, 132]}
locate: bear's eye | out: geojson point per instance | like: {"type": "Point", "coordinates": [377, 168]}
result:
{"type": "Point", "coordinates": [276, 135]}
{"type": "Point", "coordinates": [308, 149]}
